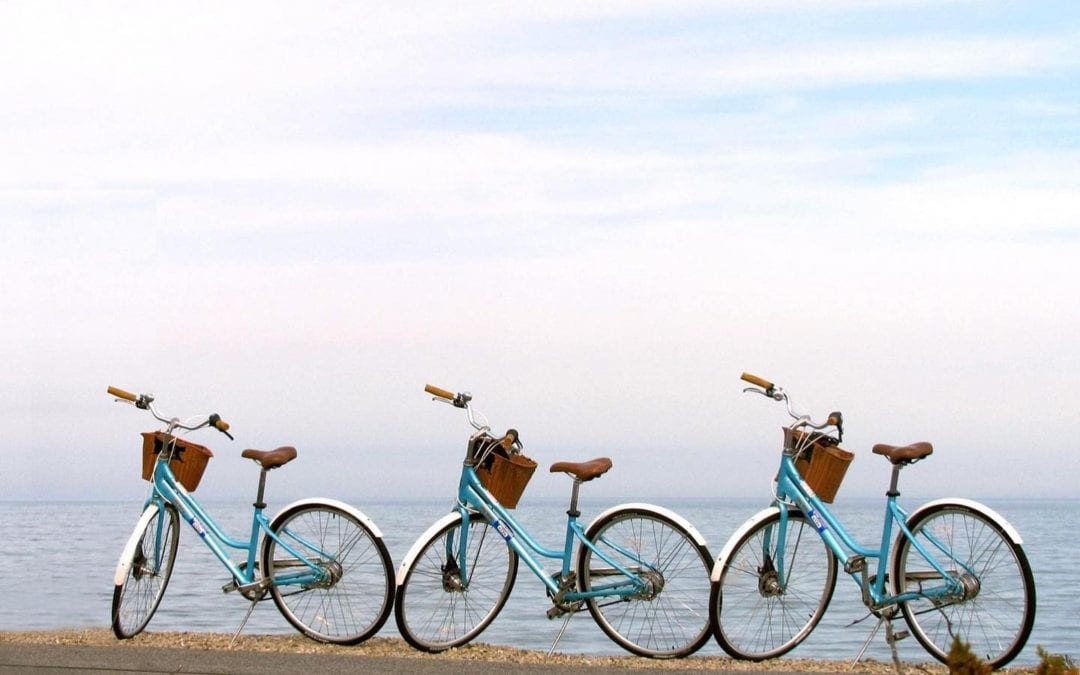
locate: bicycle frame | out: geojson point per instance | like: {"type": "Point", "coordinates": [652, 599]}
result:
{"type": "Point", "coordinates": [472, 496]}
{"type": "Point", "coordinates": [792, 490]}
{"type": "Point", "coordinates": [167, 489]}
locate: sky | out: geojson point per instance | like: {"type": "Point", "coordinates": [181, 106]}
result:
{"type": "Point", "coordinates": [593, 216]}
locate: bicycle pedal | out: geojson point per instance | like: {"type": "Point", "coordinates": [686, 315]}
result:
{"type": "Point", "coordinates": [559, 610]}
{"type": "Point", "coordinates": [897, 636]}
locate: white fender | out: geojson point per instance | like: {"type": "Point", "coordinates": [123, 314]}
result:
{"type": "Point", "coordinates": [990, 513]}
{"type": "Point", "coordinates": [320, 501]}
{"type": "Point", "coordinates": [659, 510]}
{"type": "Point", "coordinates": [124, 565]}
{"type": "Point", "coordinates": [410, 557]}
{"type": "Point", "coordinates": [351, 510]}
{"type": "Point", "coordinates": [732, 541]}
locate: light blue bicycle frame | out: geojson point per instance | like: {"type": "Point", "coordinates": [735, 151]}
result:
{"type": "Point", "coordinates": [166, 489]}
{"type": "Point", "coordinates": [791, 489]}
{"type": "Point", "coordinates": [473, 497]}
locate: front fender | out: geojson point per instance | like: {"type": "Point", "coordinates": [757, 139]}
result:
{"type": "Point", "coordinates": [436, 527]}
{"type": "Point", "coordinates": [732, 541]}
{"type": "Point", "coordinates": [124, 564]}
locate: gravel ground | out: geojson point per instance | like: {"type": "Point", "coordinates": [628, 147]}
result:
{"type": "Point", "coordinates": [297, 644]}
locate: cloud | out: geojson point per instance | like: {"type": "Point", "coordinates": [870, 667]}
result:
{"type": "Point", "coordinates": [594, 215]}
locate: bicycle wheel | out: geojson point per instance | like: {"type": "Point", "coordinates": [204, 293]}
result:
{"type": "Point", "coordinates": [670, 616]}
{"type": "Point", "coordinates": [758, 615]}
{"type": "Point", "coordinates": [435, 609]}
{"type": "Point", "coordinates": [353, 600]}
{"type": "Point", "coordinates": [996, 609]}
{"type": "Point", "coordinates": [149, 565]}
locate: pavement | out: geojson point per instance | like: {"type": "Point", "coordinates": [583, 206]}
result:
{"type": "Point", "coordinates": [31, 659]}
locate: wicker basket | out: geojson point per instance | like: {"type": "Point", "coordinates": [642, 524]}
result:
{"type": "Point", "coordinates": [505, 476]}
{"type": "Point", "coordinates": [823, 467]}
{"type": "Point", "coordinates": [188, 461]}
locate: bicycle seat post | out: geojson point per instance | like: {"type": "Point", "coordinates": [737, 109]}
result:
{"type": "Point", "coordinates": [573, 510]}
{"type": "Point", "coordinates": [894, 490]}
{"type": "Point", "coordinates": [259, 503]}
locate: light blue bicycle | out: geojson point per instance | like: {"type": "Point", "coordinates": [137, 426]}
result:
{"type": "Point", "coordinates": [642, 571]}
{"type": "Point", "coordinates": [323, 562]}
{"type": "Point", "coordinates": [955, 569]}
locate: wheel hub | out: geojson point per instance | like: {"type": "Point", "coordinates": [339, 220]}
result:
{"type": "Point", "coordinates": [451, 578]}
{"type": "Point", "coordinates": [970, 586]}
{"type": "Point", "coordinates": [769, 581]}
{"type": "Point", "coordinates": [654, 585]}
{"type": "Point", "coordinates": [138, 562]}
{"type": "Point", "coordinates": [333, 571]}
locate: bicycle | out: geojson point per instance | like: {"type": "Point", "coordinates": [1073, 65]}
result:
{"type": "Point", "coordinates": [955, 569]}
{"type": "Point", "coordinates": [642, 571]}
{"type": "Point", "coordinates": [323, 562]}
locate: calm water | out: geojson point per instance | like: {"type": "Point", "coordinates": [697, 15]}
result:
{"type": "Point", "coordinates": [59, 575]}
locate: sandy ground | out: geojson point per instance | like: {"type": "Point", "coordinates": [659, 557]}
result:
{"type": "Point", "coordinates": [297, 644]}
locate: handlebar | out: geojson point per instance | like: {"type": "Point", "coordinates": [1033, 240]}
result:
{"type": "Point", "coordinates": [767, 388]}
{"type": "Point", "coordinates": [436, 391]}
{"type": "Point", "coordinates": [146, 402]}
{"type": "Point", "coordinates": [461, 400]}
{"type": "Point", "coordinates": [120, 393]}
{"type": "Point", "coordinates": [759, 381]}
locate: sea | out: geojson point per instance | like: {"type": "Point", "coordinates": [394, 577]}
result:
{"type": "Point", "coordinates": [59, 557]}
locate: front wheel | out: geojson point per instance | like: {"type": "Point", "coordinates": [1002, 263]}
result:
{"type": "Point", "coordinates": [774, 585]}
{"type": "Point", "coordinates": [144, 570]}
{"type": "Point", "coordinates": [995, 607]}
{"type": "Point", "coordinates": [448, 595]}
{"type": "Point", "coordinates": [347, 597]}
{"type": "Point", "coordinates": [667, 614]}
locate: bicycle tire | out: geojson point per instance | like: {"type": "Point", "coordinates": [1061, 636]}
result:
{"type": "Point", "coordinates": [997, 609]}
{"type": "Point", "coordinates": [146, 570]}
{"type": "Point", "coordinates": [670, 619]}
{"type": "Point", "coordinates": [754, 617]}
{"type": "Point", "coordinates": [433, 609]}
{"type": "Point", "coordinates": [355, 602]}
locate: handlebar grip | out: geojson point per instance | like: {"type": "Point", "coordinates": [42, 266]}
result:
{"type": "Point", "coordinates": [120, 393]}
{"type": "Point", "coordinates": [221, 425]}
{"type": "Point", "coordinates": [761, 382]}
{"type": "Point", "coordinates": [441, 393]}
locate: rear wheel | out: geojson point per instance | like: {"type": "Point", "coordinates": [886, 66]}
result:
{"type": "Point", "coordinates": [669, 615]}
{"type": "Point", "coordinates": [995, 608]}
{"type": "Point", "coordinates": [767, 599]}
{"type": "Point", "coordinates": [351, 599]}
{"type": "Point", "coordinates": [149, 568]}
{"type": "Point", "coordinates": [435, 608]}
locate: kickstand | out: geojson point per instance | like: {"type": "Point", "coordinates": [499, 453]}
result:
{"type": "Point", "coordinates": [869, 639]}
{"type": "Point", "coordinates": [891, 637]}
{"type": "Point", "coordinates": [247, 616]}
{"type": "Point", "coordinates": [562, 630]}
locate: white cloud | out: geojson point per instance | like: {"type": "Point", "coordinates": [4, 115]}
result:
{"type": "Point", "coordinates": [300, 217]}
